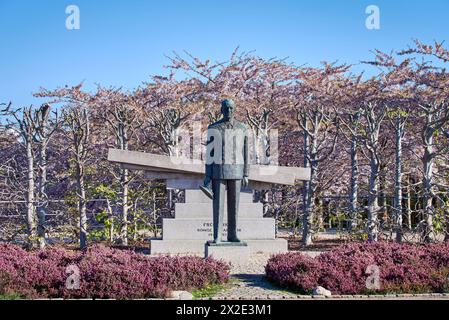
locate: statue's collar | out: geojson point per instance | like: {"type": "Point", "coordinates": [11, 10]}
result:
{"type": "Point", "coordinates": [230, 122]}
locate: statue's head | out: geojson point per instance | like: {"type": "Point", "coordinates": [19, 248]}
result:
{"type": "Point", "coordinates": [227, 109]}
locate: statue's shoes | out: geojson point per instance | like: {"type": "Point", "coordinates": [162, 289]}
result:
{"type": "Point", "coordinates": [234, 240]}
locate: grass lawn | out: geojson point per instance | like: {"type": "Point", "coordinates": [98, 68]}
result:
{"type": "Point", "coordinates": [211, 290]}
{"type": "Point", "coordinates": [11, 296]}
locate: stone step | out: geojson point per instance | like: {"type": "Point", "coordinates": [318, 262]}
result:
{"type": "Point", "coordinates": [204, 210]}
{"type": "Point", "coordinates": [197, 247]}
{"type": "Point", "coordinates": [197, 196]}
{"type": "Point", "coordinates": [201, 229]}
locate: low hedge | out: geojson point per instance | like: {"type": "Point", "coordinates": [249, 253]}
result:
{"type": "Point", "coordinates": [103, 272]}
{"type": "Point", "coordinates": [403, 268]}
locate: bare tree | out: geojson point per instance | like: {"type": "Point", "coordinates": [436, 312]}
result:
{"type": "Point", "coordinates": [47, 125]}
{"type": "Point", "coordinates": [165, 122]}
{"type": "Point", "coordinates": [436, 116]}
{"type": "Point", "coordinates": [34, 128]}
{"type": "Point", "coordinates": [214, 116]}
{"type": "Point", "coordinates": [398, 118]}
{"type": "Point", "coordinates": [367, 132]}
{"type": "Point", "coordinates": [124, 118]}
{"type": "Point", "coordinates": [320, 132]}
{"type": "Point", "coordinates": [260, 127]}
{"type": "Point", "coordinates": [373, 115]}
{"type": "Point", "coordinates": [351, 121]}
{"type": "Point", "coordinates": [78, 133]}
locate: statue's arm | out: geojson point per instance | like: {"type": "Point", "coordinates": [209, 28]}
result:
{"type": "Point", "coordinates": [208, 169]}
{"type": "Point", "coordinates": [246, 155]}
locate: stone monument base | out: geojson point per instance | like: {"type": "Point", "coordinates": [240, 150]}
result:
{"type": "Point", "coordinates": [193, 226]}
{"type": "Point", "coordinates": [236, 253]}
{"type": "Point", "coordinates": [196, 247]}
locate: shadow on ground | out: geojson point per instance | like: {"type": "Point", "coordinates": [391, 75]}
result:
{"type": "Point", "coordinates": [254, 280]}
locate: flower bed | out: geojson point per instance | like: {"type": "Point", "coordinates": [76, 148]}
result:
{"type": "Point", "coordinates": [350, 269]}
{"type": "Point", "coordinates": [102, 272]}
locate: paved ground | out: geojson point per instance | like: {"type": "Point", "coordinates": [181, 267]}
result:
{"type": "Point", "coordinates": [249, 282]}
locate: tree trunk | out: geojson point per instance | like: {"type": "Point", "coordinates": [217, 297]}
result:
{"type": "Point", "coordinates": [171, 192]}
{"type": "Point", "coordinates": [111, 221]}
{"type": "Point", "coordinates": [124, 193]}
{"type": "Point", "coordinates": [30, 201]}
{"type": "Point", "coordinates": [265, 159]}
{"type": "Point", "coordinates": [398, 182]}
{"type": "Point", "coordinates": [353, 205]}
{"type": "Point", "coordinates": [310, 199]}
{"type": "Point", "coordinates": [82, 207]}
{"type": "Point", "coordinates": [154, 214]}
{"type": "Point", "coordinates": [124, 185]}
{"type": "Point", "coordinates": [446, 215]}
{"type": "Point", "coordinates": [41, 212]}
{"type": "Point", "coordinates": [310, 207]}
{"type": "Point", "coordinates": [409, 206]}
{"type": "Point", "coordinates": [307, 221]}
{"type": "Point", "coordinates": [428, 164]}
{"type": "Point", "coordinates": [373, 204]}
{"type": "Point", "coordinates": [265, 201]}
{"type": "Point", "coordinates": [320, 211]}
{"type": "Point", "coordinates": [383, 196]}
{"type": "Point", "coordinates": [135, 222]}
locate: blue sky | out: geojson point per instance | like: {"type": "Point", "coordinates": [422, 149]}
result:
{"type": "Point", "coordinates": [122, 43]}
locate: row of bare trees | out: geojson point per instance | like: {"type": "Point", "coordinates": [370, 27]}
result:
{"type": "Point", "coordinates": [361, 136]}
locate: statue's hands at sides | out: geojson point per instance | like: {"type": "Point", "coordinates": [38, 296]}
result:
{"type": "Point", "coordinates": [245, 182]}
{"type": "Point", "coordinates": [207, 181]}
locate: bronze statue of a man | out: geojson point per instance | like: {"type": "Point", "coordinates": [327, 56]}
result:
{"type": "Point", "coordinates": [227, 167]}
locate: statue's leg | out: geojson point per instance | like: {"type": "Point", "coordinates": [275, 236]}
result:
{"type": "Point", "coordinates": [234, 187]}
{"type": "Point", "coordinates": [218, 187]}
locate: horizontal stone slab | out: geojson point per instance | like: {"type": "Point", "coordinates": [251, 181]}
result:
{"type": "Point", "coordinates": [184, 183]}
{"type": "Point", "coordinates": [204, 210]}
{"type": "Point", "coordinates": [194, 184]}
{"type": "Point", "coordinates": [202, 229]}
{"type": "Point", "coordinates": [196, 247]}
{"type": "Point", "coordinates": [198, 196]}
{"type": "Point", "coordinates": [268, 246]}
{"type": "Point", "coordinates": [235, 255]}
{"type": "Point", "coordinates": [158, 163]}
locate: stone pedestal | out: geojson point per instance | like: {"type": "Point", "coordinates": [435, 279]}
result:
{"type": "Point", "coordinates": [233, 253]}
{"type": "Point", "coordinates": [192, 226]}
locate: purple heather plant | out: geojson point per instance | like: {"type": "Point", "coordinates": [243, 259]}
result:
{"type": "Point", "coordinates": [404, 268]}
{"type": "Point", "coordinates": [104, 273]}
